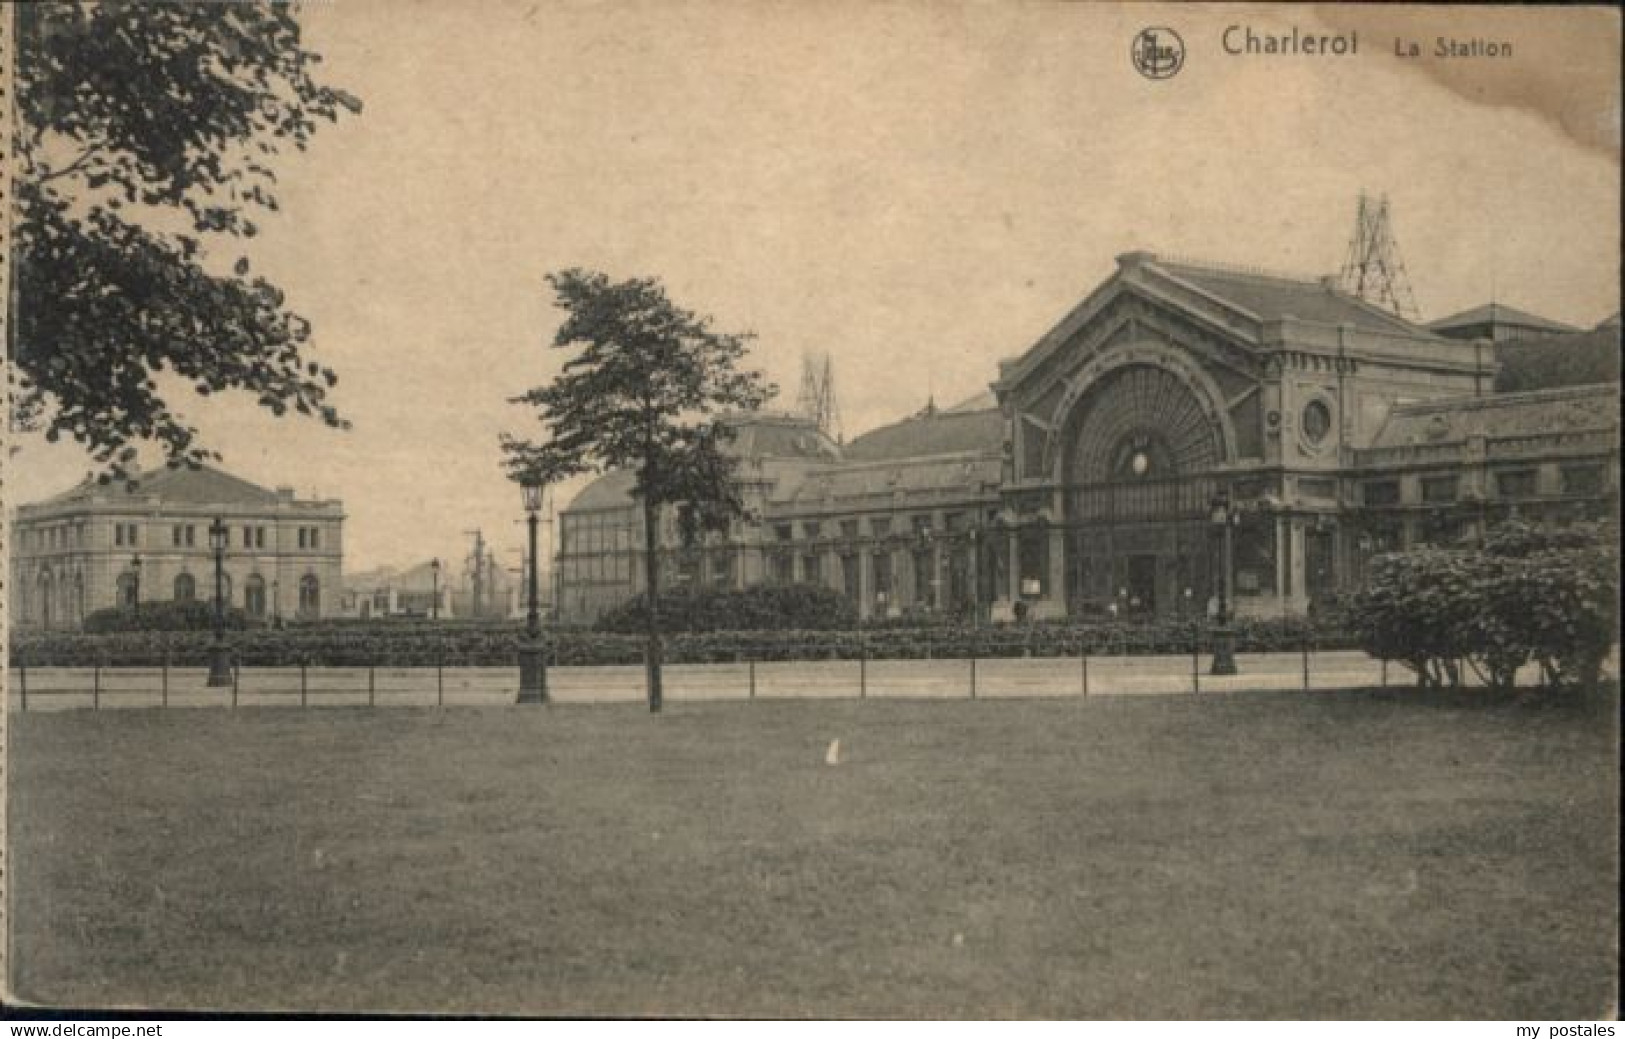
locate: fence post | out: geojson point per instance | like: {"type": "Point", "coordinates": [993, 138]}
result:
{"type": "Point", "coordinates": [752, 668]}
{"type": "Point", "coordinates": [1083, 663]}
{"type": "Point", "coordinates": [371, 687]}
{"type": "Point", "coordinates": [439, 683]}
{"type": "Point", "coordinates": [304, 692]}
{"type": "Point", "coordinates": [236, 677]}
{"type": "Point", "coordinates": [96, 687]}
{"type": "Point", "coordinates": [863, 667]}
{"type": "Point", "coordinates": [164, 677]}
{"type": "Point", "coordinates": [973, 676]}
{"type": "Point", "coordinates": [22, 681]}
{"type": "Point", "coordinates": [1306, 659]}
{"type": "Point", "coordinates": [1385, 673]}
{"type": "Point", "coordinates": [1196, 663]}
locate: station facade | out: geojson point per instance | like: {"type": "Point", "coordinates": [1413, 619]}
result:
{"type": "Point", "coordinates": [1179, 403]}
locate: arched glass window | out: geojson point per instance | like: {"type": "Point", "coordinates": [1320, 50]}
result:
{"type": "Point", "coordinates": [310, 596]}
{"type": "Point", "coordinates": [185, 588]}
{"type": "Point", "coordinates": [254, 595]}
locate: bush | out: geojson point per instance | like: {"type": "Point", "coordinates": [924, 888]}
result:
{"type": "Point", "coordinates": [802, 607]}
{"type": "Point", "coordinates": [163, 616]}
{"type": "Point", "coordinates": [1529, 593]}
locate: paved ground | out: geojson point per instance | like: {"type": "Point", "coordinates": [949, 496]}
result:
{"type": "Point", "coordinates": [59, 688]}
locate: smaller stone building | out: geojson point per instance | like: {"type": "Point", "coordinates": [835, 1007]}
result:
{"type": "Point", "coordinates": [101, 545]}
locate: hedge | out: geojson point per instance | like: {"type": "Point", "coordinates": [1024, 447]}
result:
{"type": "Point", "coordinates": [795, 607]}
{"type": "Point", "coordinates": [488, 644]}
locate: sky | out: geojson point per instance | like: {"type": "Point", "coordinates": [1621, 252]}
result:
{"type": "Point", "coordinates": [918, 189]}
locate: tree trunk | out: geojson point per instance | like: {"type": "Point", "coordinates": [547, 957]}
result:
{"type": "Point", "coordinates": [651, 573]}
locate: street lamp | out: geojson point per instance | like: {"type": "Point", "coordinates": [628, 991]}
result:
{"type": "Point", "coordinates": [219, 656]}
{"type": "Point", "coordinates": [532, 665]}
{"type": "Point", "coordinates": [135, 583]}
{"type": "Point", "coordinates": [434, 603]}
{"type": "Point", "coordinates": [1223, 518]}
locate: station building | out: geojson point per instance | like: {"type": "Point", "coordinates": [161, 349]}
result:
{"type": "Point", "coordinates": [1177, 401]}
{"type": "Point", "coordinates": [145, 540]}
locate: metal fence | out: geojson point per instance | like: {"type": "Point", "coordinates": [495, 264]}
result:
{"type": "Point", "coordinates": [972, 677]}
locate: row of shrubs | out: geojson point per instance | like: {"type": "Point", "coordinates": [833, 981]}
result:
{"type": "Point", "coordinates": [794, 607]}
{"type": "Point", "coordinates": [496, 645]}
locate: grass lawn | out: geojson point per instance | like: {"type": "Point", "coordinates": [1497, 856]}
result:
{"type": "Point", "coordinates": [1366, 854]}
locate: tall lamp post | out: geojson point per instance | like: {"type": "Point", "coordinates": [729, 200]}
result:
{"type": "Point", "coordinates": [434, 603]}
{"type": "Point", "coordinates": [135, 583]}
{"type": "Point", "coordinates": [532, 666]}
{"type": "Point", "coordinates": [1223, 518]}
{"type": "Point", "coordinates": [219, 656]}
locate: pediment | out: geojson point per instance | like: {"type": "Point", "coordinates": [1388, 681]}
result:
{"type": "Point", "coordinates": [1127, 315]}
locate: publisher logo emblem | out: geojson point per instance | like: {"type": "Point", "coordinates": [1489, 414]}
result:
{"type": "Point", "coordinates": [1158, 53]}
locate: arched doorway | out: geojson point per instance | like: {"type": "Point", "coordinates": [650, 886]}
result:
{"type": "Point", "coordinates": [254, 596]}
{"type": "Point", "coordinates": [46, 599]}
{"type": "Point", "coordinates": [1141, 446]}
{"type": "Point", "coordinates": [185, 588]}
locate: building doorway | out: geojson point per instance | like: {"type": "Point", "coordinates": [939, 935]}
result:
{"type": "Point", "coordinates": [1141, 584]}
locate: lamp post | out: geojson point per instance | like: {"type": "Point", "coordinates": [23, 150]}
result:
{"type": "Point", "coordinates": [434, 603]}
{"type": "Point", "coordinates": [532, 666]}
{"type": "Point", "coordinates": [1223, 518]}
{"type": "Point", "coordinates": [219, 656]}
{"type": "Point", "coordinates": [135, 583]}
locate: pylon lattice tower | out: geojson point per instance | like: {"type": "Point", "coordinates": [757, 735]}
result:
{"type": "Point", "coordinates": [1374, 270]}
{"type": "Point", "coordinates": [816, 400]}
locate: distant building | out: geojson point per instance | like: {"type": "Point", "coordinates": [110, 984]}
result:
{"type": "Point", "coordinates": [1088, 484]}
{"type": "Point", "coordinates": [101, 545]}
{"type": "Point", "coordinates": [388, 592]}
{"type": "Point", "coordinates": [1497, 322]}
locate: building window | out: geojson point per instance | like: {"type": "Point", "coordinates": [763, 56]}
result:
{"type": "Point", "coordinates": [1316, 421]}
{"type": "Point", "coordinates": [185, 588]}
{"type": "Point", "coordinates": [783, 568]}
{"type": "Point", "coordinates": [924, 577]}
{"type": "Point", "coordinates": [883, 583]}
{"type": "Point", "coordinates": [1437, 490]}
{"type": "Point", "coordinates": [849, 530]}
{"type": "Point", "coordinates": [722, 571]}
{"type": "Point", "coordinates": [128, 590]}
{"type": "Point", "coordinates": [310, 596]}
{"type": "Point", "coordinates": [812, 529]}
{"type": "Point", "coordinates": [1380, 492]}
{"type": "Point", "coordinates": [922, 524]}
{"type": "Point", "coordinates": [118, 534]}
{"type": "Point", "coordinates": [315, 540]}
{"type": "Point", "coordinates": [812, 571]}
{"type": "Point", "coordinates": [254, 596]}
{"type": "Point", "coordinates": [302, 538]}
{"type": "Point", "coordinates": [1515, 483]}
{"type": "Point", "coordinates": [259, 537]}
{"type": "Point", "coordinates": [1582, 479]}
{"type": "Point", "coordinates": [880, 526]}
{"type": "Point", "coordinates": [783, 532]}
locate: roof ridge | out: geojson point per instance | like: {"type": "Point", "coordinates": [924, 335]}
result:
{"type": "Point", "coordinates": [1240, 269]}
{"type": "Point", "coordinates": [1549, 393]}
